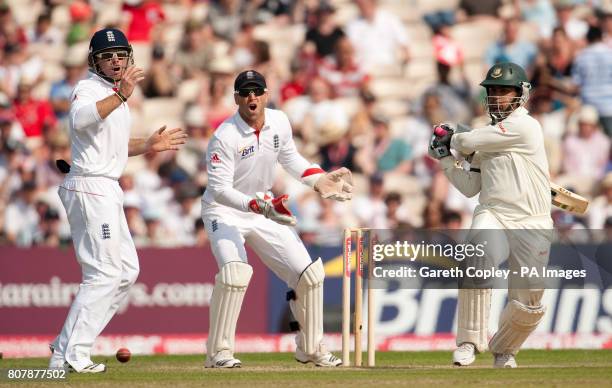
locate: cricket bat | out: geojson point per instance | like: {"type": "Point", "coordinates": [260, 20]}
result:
{"type": "Point", "coordinates": [568, 201]}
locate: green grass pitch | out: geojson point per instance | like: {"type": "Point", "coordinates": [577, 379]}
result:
{"type": "Point", "coordinates": [543, 368]}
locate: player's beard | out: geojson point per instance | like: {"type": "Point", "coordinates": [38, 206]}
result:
{"type": "Point", "coordinates": [499, 110]}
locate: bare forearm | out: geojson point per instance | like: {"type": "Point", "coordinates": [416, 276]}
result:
{"type": "Point", "coordinates": [107, 105]}
{"type": "Point", "coordinates": [137, 146]}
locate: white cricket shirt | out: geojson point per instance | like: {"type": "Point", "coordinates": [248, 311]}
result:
{"type": "Point", "coordinates": [514, 182]}
{"type": "Point", "coordinates": [242, 161]}
{"type": "Point", "coordinates": [99, 147]}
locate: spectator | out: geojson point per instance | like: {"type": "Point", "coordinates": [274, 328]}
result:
{"type": "Point", "coordinates": [396, 217]}
{"type": "Point", "coordinates": [541, 13]}
{"type": "Point", "coordinates": [325, 34]}
{"type": "Point", "coordinates": [36, 116]}
{"type": "Point", "coordinates": [586, 154]}
{"type": "Point", "coordinates": [378, 36]}
{"type": "Point", "coordinates": [390, 155]}
{"type": "Point", "coordinates": [606, 25]}
{"type": "Point", "coordinates": [600, 209]}
{"type": "Point", "coordinates": [10, 128]}
{"type": "Point", "coordinates": [342, 71]}
{"type": "Point", "coordinates": [336, 149]}
{"type": "Point", "coordinates": [195, 52]}
{"type": "Point", "coordinates": [45, 33]}
{"type": "Point", "coordinates": [297, 84]}
{"type": "Point", "coordinates": [433, 215]}
{"type": "Point", "coordinates": [135, 222]}
{"type": "Point", "coordinates": [477, 9]}
{"type": "Point", "coordinates": [201, 238]}
{"type": "Point", "coordinates": [48, 234]}
{"type": "Point", "coordinates": [158, 80]}
{"type": "Point", "coordinates": [11, 33]}
{"type": "Point", "coordinates": [591, 74]}
{"type": "Point", "coordinates": [81, 17]}
{"type": "Point", "coordinates": [181, 218]}
{"type": "Point", "coordinates": [554, 67]}
{"type": "Point", "coordinates": [55, 147]}
{"type": "Point", "coordinates": [370, 209]}
{"type": "Point", "coordinates": [61, 91]}
{"type": "Point", "coordinates": [308, 114]}
{"type": "Point", "coordinates": [225, 18]}
{"type": "Point", "coordinates": [21, 218]}
{"type": "Point", "coordinates": [452, 96]}
{"type": "Point", "coordinates": [575, 28]}
{"type": "Point", "coordinates": [329, 227]}
{"type": "Point", "coordinates": [156, 234]}
{"type": "Point", "coordinates": [219, 107]}
{"type": "Point", "coordinates": [510, 49]}
{"type": "Point", "coordinates": [143, 17]}
{"type": "Point", "coordinates": [451, 220]}
{"type": "Point", "coordinates": [18, 65]}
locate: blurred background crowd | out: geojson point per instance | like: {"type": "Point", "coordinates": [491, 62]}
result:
{"type": "Point", "coordinates": [361, 81]}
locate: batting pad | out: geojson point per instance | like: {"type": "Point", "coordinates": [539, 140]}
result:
{"type": "Point", "coordinates": [516, 323]}
{"type": "Point", "coordinates": [230, 286]}
{"type": "Point", "coordinates": [307, 307]}
{"type": "Point", "coordinates": [473, 308]}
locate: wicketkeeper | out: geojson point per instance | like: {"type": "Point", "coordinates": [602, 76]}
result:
{"type": "Point", "coordinates": [508, 167]}
{"type": "Point", "coordinates": [242, 158]}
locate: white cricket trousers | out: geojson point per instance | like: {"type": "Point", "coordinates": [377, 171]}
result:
{"type": "Point", "coordinates": [278, 246]}
{"type": "Point", "coordinates": [109, 264]}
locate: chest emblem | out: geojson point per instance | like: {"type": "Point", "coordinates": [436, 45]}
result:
{"type": "Point", "coordinates": [276, 142]}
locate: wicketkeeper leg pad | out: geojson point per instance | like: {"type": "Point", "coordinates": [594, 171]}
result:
{"type": "Point", "coordinates": [473, 307]}
{"type": "Point", "coordinates": [307, 307]}
{"type": "Point", "coordinates": [230, 286]}
{"type": "Point", "coordinates": [516, 323]}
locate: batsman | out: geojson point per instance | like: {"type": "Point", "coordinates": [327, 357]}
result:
{"type": "Point", "coordinates": [236, 208]}
{"type": "Point", "coordinates": [508, 167]}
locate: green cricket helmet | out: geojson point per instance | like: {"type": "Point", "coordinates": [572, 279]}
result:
{"type": "Point", "coordinates": [506, 74]}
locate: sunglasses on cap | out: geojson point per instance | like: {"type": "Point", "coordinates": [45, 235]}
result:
{"type": "Point", "coordinates": [109, 54]}
{"type": "Point", "coordinates": [246, 91]}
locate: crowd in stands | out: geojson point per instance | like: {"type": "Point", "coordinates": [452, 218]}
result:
{"type": "Point", "coordinates": [362, 83]}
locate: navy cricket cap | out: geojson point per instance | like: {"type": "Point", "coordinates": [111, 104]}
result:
{"type": "Point", "coordinates": [249, 78]}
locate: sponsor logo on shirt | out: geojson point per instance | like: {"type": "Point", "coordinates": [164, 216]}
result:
{"type": "Point", "coordinates": [246, 152]}
{"type": "Point", "coordinates": [215, 159]}
{"type": "Point", "coordinates": [214, 225]}
{"type": "Point", "coordinates": [276, 142]}
{"type": "Point", "coordinates": [503, 129]}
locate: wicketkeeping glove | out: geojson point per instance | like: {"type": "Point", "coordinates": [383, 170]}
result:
{"type": "Point", "coordinates": [336, 185]}
{"type": "Point", "coordinates": [273, 208]}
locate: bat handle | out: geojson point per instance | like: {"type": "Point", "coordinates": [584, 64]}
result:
{"type": "Point", "coordinates": [440, 132]}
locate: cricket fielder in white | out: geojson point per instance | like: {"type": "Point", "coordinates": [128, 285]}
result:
{"type": "Point", "coordinates": [510, 171]}
{"type": "Point", "coordinates": [242, 158]}
{"type": "Point", "coordinates": [100, 143]}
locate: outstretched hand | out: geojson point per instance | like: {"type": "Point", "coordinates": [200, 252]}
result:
{"type": "Point", "coordinates": [336, 185]}
{"type": "Point", "coordinates": [162, 140]}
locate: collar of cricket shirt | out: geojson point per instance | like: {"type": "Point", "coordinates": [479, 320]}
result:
{"type": "Point", "coordinates": [101, 80]}
{"type": "Point", "coordinates": [520, 111]}
{"type": "Point", "coordinates": [246, 128]}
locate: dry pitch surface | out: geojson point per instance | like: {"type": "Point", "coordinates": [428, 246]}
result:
{"type": "Point", "coordinates": [542, 368]}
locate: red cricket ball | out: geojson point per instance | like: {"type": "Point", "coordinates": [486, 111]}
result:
{"type": "Point", "coordinates": [123, 355]}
